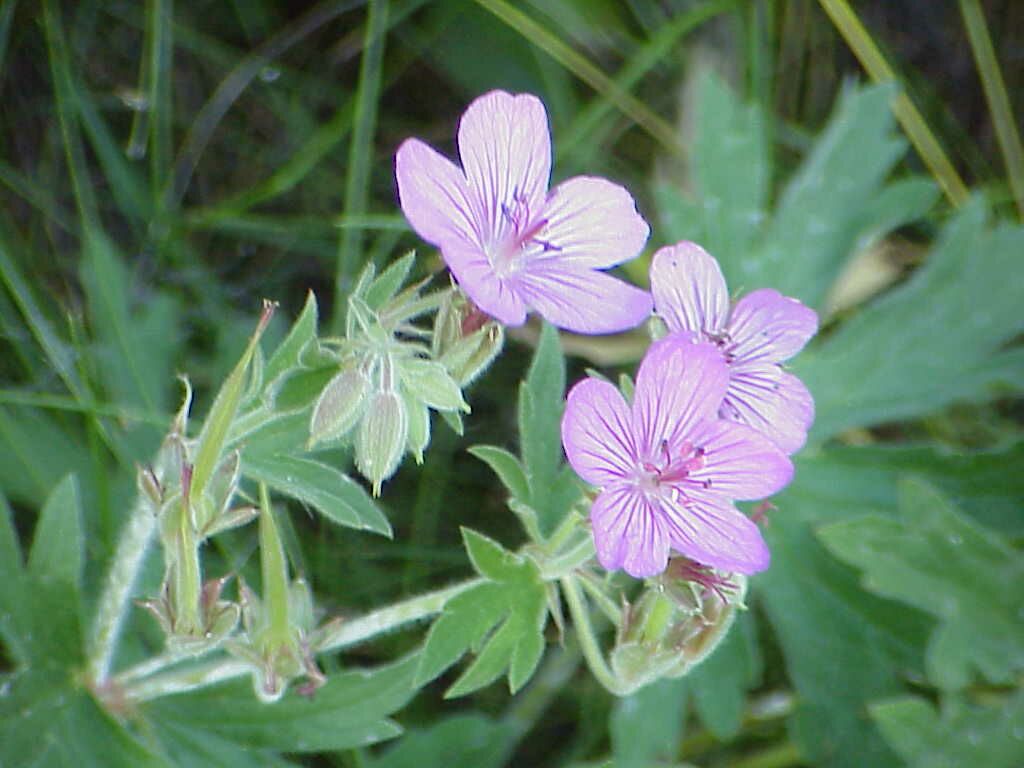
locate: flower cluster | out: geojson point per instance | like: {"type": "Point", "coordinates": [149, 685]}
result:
{"type": "Point", "coordinates": [714, 416]}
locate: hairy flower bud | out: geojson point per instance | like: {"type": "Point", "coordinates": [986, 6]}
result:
{"type": "Point", "coordinates": [680, 618]}
{"type": "Point", "coordinates": [340, 406]}
{"type": "Point", "coordinates": [382, 437]}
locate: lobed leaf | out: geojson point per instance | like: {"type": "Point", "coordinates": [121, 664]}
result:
{"type": "Point", "coordinates": [935, 559]}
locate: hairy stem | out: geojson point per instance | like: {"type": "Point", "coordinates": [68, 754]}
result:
{"type": "Point", "coordinates": [588, 641]}
{"type": "Point", "coordinates": [150, 684]}
{"type": "Point", "coordinates": [115, 601]}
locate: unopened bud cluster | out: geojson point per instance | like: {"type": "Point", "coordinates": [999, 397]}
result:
{"type": "Point", "coordinates": [678, 620]}
{"type": "Point", "coordinates": [391, 372]}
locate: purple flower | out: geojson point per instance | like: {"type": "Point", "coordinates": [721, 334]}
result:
{"type": "Point", "coordinates": [513, 245]}
{"type": "Point", "coordinates": [668, 467]}
{"type": "Point", "coordinates": [762, 330]}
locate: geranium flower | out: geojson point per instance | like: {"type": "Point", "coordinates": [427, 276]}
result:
{"type": "Point", "coordinates": [668, 468]}
{"type": "Point", "coordinates": [762, 330]}
{"type": "Point", "coordinates": [512, 245]}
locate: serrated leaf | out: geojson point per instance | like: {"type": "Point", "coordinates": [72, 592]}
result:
{"type": "Point", "coordinates": [930, 341]}
{"type": "Point", "coordinates": [935, 559]}
{"type": "Point", "coordinates": [541, 402]}
{"type": "Point", "coordinates": [386, 285]}
{"type": "Point", "coordinates": [288, 353]}
{"type": "Point", "coordinates": [808, 595]}
{"type": "Point", "coordinates": [506, 467]}
{"type": "Point", "coordinates": [336, 496]}
{"type": "Point", "coordinates": [962, 735]}
{"type": "Point", "coordinates": [730, 173]}
{"type": "Point", "coordinates": [58, 548]}
{"type": "Point", "coordinates": [350, 710]}
{"type": "Point", "coordinates": [502, 619]}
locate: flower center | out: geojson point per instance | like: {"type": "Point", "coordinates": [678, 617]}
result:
{"type": "Point", "coordinates": [668, 469]}
{"type": "Point", "coordinates": [520, 240]}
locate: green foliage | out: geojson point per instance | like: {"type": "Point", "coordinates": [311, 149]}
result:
{"type": "Point", "coordinates": [58, 547]}
{"type": "Point", "coordinates": [646, 726]}
{"type": "Point", "coordinates": [836, 200]}
{"type": "Point", "coordinates": [935, 559]}
{"type": "Point", "coordinates": [463, 741]}
{"type": "Point", "coordinates": [350, 710]}
{"type": "Point", "coordinates": [501, 620]}
{"type": "Point", "coordinates": [991, 735]}
{"type": "Point", "coordinates": [542, 487]}
{"type": "Point", "coordinates": [932, 341]}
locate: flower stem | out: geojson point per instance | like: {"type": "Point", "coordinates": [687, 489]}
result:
{"type": "Point", "coordinates": [116, 598]}
{"type": "Point", "coordinates": [150, 685]}
{"type": "Point", "coordinates": [588, 641]}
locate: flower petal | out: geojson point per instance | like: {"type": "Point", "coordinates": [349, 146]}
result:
{"type": "Point", "coordinates": [592, 222]}
{"type": "Point", "coordinates": [689, 289]}
{"type": "Point", "coordinates": [765, 325]}
{"type": "Point", "coordinates": [628, 533]}
{"type": "Point", "coordinates": [597, 433]}
{"type": "Point", "coordinates": [739, 462]}
{"type": "Point", "coordinates": [680, 384]}
{"type": "Point", "coordinates": [505, 148]}
{"type": "Point", "coordinates": [580, 299]}
{"type": "Point", "coordinates": [710, 530]}
{"type": "Point", "coordinates": [474, 273]}
{"type": "Point", "coordinates": [433, 194]}
{"type": "Point", "coordinates": [772, 401]}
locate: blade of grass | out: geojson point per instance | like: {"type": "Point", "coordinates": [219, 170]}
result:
{"type": "Point", "coordinates": [360, 156]}
{"type": "Point", "coordinates": [35, 195]}
{"type": "Point", "coordinates": [650, 54]}
{"type": "Point", "coordinates": [870, 57]}
{"type": "Point", "coordinates": [995, 94]}
{"type": "Point", "coordinates": [64, 98]}
{"type": "Point", "coordinates": [6, 17]}
{"type": "Point", "coordinates": [588, 72]}
{"type": "Point", "coordinates": [234, 84]}
{"type": "Point", "coordinates": [160, 34]}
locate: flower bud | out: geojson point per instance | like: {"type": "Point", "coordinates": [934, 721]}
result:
{"type": "Point", "coordinates": [466, 340]}
{"type": "Point", "coordinates": [680, 618]}
{"type": "Point", "coordinates": [382, 437]}
{"type": "Point", "coordinates": [340, 406]}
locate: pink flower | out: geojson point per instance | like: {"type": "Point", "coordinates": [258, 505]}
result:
{"type": "Point", "coordinates": [668, 468]}
{"type": "Point", "coordinates": [762, 330]}
{"type": "Point", "coordinates": [513, 245]}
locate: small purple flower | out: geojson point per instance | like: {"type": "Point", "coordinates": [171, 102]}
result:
{"type": "Point", "coordinates": [513, 245]}
{"type": "Point", "coordinates": [668, 467]}
{"type": "Point", "coordinates": [762, 330]}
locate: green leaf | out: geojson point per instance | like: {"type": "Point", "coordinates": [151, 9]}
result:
{"type": "Point", "coordinates": [13, 603]}
{"type": "Point", "coordinates": [193, 747]}
{"type": "Point", "coordinates": [808, 596]}
{"type": "Point", "coordinates": [506, 467]}
{"type": "Point", "coordinates": [835, 201]}
{"type": "Point", "coordinates": [962, 735]}
{"type": "Point", "coordinates": [289, 352]}
{"type": "Point", "coordinates": [336, 496]}
{"type": "Point", "coordinates": [937, 560]}
{"type": "Point", "coordinates": [431, 383]}
{"type": "Point", "coordinates": [462, 741]}
{"type": "Point", "coordinates": [553, 490]}
{"type": "Point", "coordinates": [350, 710]}
{"type": "Point", "coordinates": [58, 548]}
{"type": "Point", "coordinates": [646, 726]}
{"type": "Point", "coordinates": [719, 685]}
{"type": "Point", "coordinates": [930, 341]}
{"type": "Point", "coordinates": [502, 618]}
{"type": "Point", "coordinates": [386, 285]}
{"type": "Point", "coordinates": [730, 174]}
